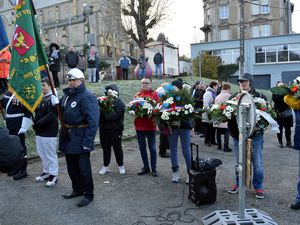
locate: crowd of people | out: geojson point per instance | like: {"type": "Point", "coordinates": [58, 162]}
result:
{"type": "Point", "coordinates": [82, 117]}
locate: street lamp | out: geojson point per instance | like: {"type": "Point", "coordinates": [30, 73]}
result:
{"type": "Point", "coordinates": [87, 11]}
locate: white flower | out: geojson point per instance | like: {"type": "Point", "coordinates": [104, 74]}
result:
{"type": "Point", "coordinates": [228, 115]}
{"type": "Point", "coordinates": [229, 108]}
{"type": "Point", "coordinates": [177, 113]}
{"type": "Point", "coordinates": [131, 112]}
{"type": "Point", "coordinates": [191, 110]}
{"type": "Point", "coordinates": [169, 100]}
{"type": "Point", "coordinates": [297, 80]}
{"type": "Point", "coordinates": [186, 112]}
{"type": "Point", "coordinates": [173, 112]}
{"type": "Point", "coordinates": [214, 107]}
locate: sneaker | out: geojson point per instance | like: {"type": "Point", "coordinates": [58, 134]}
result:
{"type": "Point", "coordinates": [187, 181]}
{"type": "Point", "coordinates": [122, 170]}
{"type": "Point", "coordinates": [104, 170]}
{"type": "Point", "coordinates": [234, 190]}
{"type": "Point", "coordinates": [175, 177]}
{"type": "Point", "coordinates": [52, 180]}
{"type": "Point", "coordinates": [42, 177]}
{"type": "Point", "coordinates": [259, 193]}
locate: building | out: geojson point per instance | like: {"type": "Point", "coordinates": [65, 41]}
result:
{"type": "Point", "coordinates": [262, 18]}
{"type": "Point", "coordinates": [80, 24]}
{"type": "Point", "coordinates": [268, 59]}
{"type": "Point", "coordinates": [272, 51]}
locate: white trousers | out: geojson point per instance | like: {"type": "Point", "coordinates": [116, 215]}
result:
{"type": "Point", "coordinates": [92, 74]}
{"type": "Point", "coordinates": [46, 148]}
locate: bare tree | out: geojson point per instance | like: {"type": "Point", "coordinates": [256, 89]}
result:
{"type": "Point", "coordinates": [139, 16]}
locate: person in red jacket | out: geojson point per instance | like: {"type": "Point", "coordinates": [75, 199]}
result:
{"type": "Point", "coordinates": [146, 129]}
{"type": "Point", "coordinates": [5, 57]}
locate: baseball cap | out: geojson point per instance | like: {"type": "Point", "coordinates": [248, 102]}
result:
{"type": "Point", "coordinates": [246, 76]}
{"type": "Point", "coordinates": [75, 74]}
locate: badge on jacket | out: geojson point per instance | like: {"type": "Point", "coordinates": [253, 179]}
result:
{"type": "Point", "coordinates": [73, 104]}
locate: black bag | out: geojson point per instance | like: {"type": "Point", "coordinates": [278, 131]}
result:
{"type": "Point", "coordinates": [286, 114]}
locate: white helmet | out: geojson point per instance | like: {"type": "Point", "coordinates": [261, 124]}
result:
{"type": "Point", "coordinates": [75, 74]}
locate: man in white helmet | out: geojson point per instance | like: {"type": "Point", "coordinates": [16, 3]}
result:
{"type": "Point", "coordinates": [80, 113]}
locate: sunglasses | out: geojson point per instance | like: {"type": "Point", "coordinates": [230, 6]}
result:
{"type": "Point", "coordinates": [243, 81]}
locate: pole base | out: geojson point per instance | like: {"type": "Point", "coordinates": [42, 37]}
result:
{"type": "Point", "coordinates": [226, 217]}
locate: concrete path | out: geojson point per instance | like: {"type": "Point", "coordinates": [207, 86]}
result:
{"type": "Point", "coordinates": [132, 199]}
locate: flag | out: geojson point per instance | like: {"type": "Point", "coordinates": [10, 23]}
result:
{"type": "Point", "coordinates": [3, 36]}
{"type": "Point", "coordinates": [28, 57]}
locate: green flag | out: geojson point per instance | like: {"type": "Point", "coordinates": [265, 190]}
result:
{"type": "Point", "coordinates": [28, 59]}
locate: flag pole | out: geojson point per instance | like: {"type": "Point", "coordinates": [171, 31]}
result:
{"type": "Point", "coordinates": [53, 92]}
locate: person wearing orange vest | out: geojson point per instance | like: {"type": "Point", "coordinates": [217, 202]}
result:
{"type": "Point", "coordinates": [5, 57]}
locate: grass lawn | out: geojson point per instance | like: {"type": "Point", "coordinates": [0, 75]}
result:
{"type": "Point", "coordinates": [127, 89]}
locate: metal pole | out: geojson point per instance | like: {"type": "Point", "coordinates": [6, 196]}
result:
{"type": "Point", "coordinates": [200, 65]}
{"type": "Point", "coordinates": [289, 16]}
{"type": "Point", "coordinates": [242, 38]}
{"type": "Point", "coordinates": [243, 108]}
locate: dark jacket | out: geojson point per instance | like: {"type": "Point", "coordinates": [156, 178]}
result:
{"type": "Point", "coordinates": [15, 112]}
{"type": "Point", "coordinates": [232, 124]}
{"type": "Point", "coordinates": [280, 106]}
{"type": "Point", "coordinates": [113, 122]}
{"type": "Point", "coordinates": [158, 58]}
{"type": "Point", "coordinates": [297, 131]}
{"type": "Point", "coordinates": [92, 62]}
{"type": "Point", "coordinates": [11, 152]}
{"type": "Point", "coordinates": [46, 122]}
{"type": "Point", "coordinates": [55, 62]}
{"type": "Point", "coordinates": [185, 124]}
{"type": "Point", "coordinates": [79, 108]}
{"type": "Point", "coordinates": [198, 98]}
{"type": "Point", "coordinates": [72, 59]}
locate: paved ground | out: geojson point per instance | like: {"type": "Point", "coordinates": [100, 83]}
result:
{"type": "Point", "coordinates": [126, 199]}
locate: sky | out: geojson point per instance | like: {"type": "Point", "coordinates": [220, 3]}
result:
{"type": "Point", "coordinates": [186, 18]}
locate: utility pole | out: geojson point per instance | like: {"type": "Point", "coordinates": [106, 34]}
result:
{"type": "Point", "coordinates": [242, 38]}
{"type": "Point", "coordinates": [289, 16]}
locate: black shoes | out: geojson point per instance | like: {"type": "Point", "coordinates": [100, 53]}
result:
{"type": "Point", "coordinates": [289, 145]}
{"type": "Point", "coordinates": [83, 202]}
{"type": "Point", "coordinates": [12, 173]}
{"type": "Point", "coordinates": [154, 173]}
{"type": "Point", "coordinates": [143, 171]}
{"type": "Point", "coordinates": [73, 194]}
{"type": "Point", "coordinates": [227, 149]}
{"type": "Point", "coordinates": [20, 174]}
{"type": "Point", "coordinates": [295, 205]}
{"type": "Point", "coordinates": [166, 155]}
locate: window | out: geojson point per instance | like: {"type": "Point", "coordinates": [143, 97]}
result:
{"type": "Point", "coordinates": [261, 31]}
{"type": "Point", "coordinates": [260, 7]}
{"type": "Point", "coordinates": [224, 12]}
{"type": "Point", "coordinates": [277, 53]}
{"type": "Point", "coordinates": [265, 30]}
{"type": "Point", "coordinates": [224, 35]}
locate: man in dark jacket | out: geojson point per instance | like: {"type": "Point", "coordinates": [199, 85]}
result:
{"type": "Point", "coordinates": [80, 123]}
{"type": "Point", "coordinates": [17, 122]}
{"type": "Point", "coordinates": [111, 128]}
{"type": "Point", "coordinates": [11, 152]}
{"type": "Point", "coordinates": [72, 58]}
{"type": "Point", "coordinates": [54, 61]}
{"type": "Point", "coordinates": [245, 84]}
{"type": "Point", "coordinates": [46, 129]}
{"type": "Point", "coordinates": [158, 60]}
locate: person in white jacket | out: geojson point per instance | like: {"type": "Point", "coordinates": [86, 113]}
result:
{"type": "Point", "coordinates": [222, 128]}
{"type": "Point", "coordinates": [208, 101]}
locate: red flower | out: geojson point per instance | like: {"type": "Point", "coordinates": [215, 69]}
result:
{"type": "Point", "coordinates": [222, 107]}
{"type": "Point", "coordinates": [294, 89]}
{"type": "Point", "coordinates": [173, 106]}
{"type": "Point", "coordinates": [263, 109]}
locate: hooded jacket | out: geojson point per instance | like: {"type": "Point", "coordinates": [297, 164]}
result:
{"type": "Point", "coordinates": [113, 121]}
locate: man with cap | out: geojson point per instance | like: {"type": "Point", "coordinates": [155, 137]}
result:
{"type": "Point", "coordinates": [80, 113]}
{"type": "Point", "coordinates": [245, 83]}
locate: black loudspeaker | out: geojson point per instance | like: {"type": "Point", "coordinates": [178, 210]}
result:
{"type": "Point", "coordinates": [202, 187]}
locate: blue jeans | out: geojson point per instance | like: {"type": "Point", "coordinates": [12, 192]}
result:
{"type": "Point", "coordinates": [142, 73]}
{"type": "Point", "coordinates": [298, 185]}
{"type": "Point", "coordinates": [150, 136]}
{"type": "Point", "coordinates": [158, 67]}
{"type": "Point", "coordinates": [185, 139]}
{"type": "Point", "coordinates": [257, 160]}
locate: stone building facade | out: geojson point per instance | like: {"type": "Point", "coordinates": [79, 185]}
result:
{"type": "Point", "coordinates": [81, 24]}
{"type": "Point", "coordinates": [263, 18]}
